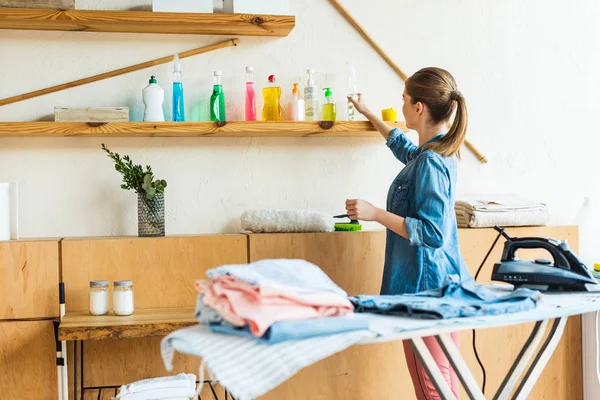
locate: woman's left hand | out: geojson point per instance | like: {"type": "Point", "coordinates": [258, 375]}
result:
{"type": "Point", "coordinates": [361, 210]}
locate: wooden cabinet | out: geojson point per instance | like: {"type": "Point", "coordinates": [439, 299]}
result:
{"type": "Point", "coordinates": [29, 279]}
{"type": "Point", "coordinates": [27, 360]}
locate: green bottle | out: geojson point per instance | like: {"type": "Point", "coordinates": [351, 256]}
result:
{"type": "Point", "coordinates": [329, 113]}
{"type": "Point", "coordinates": [217, 100]}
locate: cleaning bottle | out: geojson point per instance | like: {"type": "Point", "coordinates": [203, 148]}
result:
{"type": "Point", "coordinates": [311, 93]}
{"type": "Point", "coordinates": [153, 96]}
{"type": "Point", "coordinates": [250, 95]}
{"type": "Point", "coordinates": [588, 220]}
{"type": "Point", "coordinates": [178, 104]}
{"type": "Point", "coordinates": [353, 93]}
{"type": "Point", "coordinates": [296, 107]}
{"type": "Point", "coordinates": [272, 98]}
{"type": "Point", "coordinates": [329, 106]}
{"type": "Point", "coordinates": [217, 100]}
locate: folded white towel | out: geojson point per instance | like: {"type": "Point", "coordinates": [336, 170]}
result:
{"type": "Point", "coordinates": [495, 203]}
{"type": "Point", "coordinates": [179, 385]}
{"type": "Point", "coordinates": [264, 221]}
{"type": "Point", "coordinates": [480, 219]}
{"type": "Point", "coordinates": [160, 394]}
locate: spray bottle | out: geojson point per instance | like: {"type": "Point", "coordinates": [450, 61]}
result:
{"type": "Point", "coordinates": [311, 95]}
{"type": "Point", "coordinates": [217, 100]}
{"type": "Point", "coordinates": [178, 103]}
{"type": "Point", "coordinates": [329, 113]}
{"type": "Point", "coordinates": [352, 92]}
{"type": "Point", "coordinates": [250, 95]}
{"type": "Point", "coordinates": [296, 108]}
{"type": "Point", "coordinates": [153, 96]}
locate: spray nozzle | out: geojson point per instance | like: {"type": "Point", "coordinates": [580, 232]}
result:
{"type": "Point", "coordinates": [328, 92]}
{"type": "Point", "coordinates": [176, 63]}
{"type": "Point", "coordinates": [295, 90]}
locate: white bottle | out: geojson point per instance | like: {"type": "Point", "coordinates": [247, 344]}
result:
{"type": "Point", "coordinates": [588, 220]}
{"type": "Point", "coordinates": [352, 92]}
{"type": "Point", "coordinates": [153, 96]}
{"type": "Point", "coordinates": [311, 97]}
{"type": "Point", "coordinates": [296, 111]}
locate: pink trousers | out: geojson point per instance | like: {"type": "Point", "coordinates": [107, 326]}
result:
{"type": "Point", "coordinates": [424, 388]}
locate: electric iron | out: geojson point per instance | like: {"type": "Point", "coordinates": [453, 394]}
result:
{"type": "Point", "coordinates": [566, 273]}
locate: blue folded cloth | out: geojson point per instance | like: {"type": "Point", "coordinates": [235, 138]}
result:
{"type": "Point", "coordinates": [455, 299]}
{"type": "Point", "coordinates": [300, 329]}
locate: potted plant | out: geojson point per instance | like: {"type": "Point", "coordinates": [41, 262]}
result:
{"type": "Point", "coordinates": [150, 191]}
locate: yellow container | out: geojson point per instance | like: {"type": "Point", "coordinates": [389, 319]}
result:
{"type": "Point", "coordinates": [389, 114]}
{"type": "Point", "coordinates": [272, 98]}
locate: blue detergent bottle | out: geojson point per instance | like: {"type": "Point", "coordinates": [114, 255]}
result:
{"type": "Point", "coordinates": [178, 104]}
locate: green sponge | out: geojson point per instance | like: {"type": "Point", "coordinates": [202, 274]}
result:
{"type": "Point", "coordinates": [352, 226]}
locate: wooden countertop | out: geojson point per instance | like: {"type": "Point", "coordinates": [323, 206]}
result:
{"type": "Point", "coordinates": [80, 325]}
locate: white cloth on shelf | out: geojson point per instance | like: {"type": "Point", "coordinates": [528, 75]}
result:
{"type": "Point", "coordinates": [165, 387]}
{"type": "Point", "coordinates": [504, 210]}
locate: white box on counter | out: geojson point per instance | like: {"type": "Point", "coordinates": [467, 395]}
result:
{"type": "Point", "coordinates": [189, 6]}
{"type": "Point", "coordinates": [274, 7]}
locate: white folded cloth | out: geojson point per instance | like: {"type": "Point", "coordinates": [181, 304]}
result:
{"type": "Point", "coordinates": [265, 221]}
{"type": "Point", "coordinates": [162, 388]}
{"type": "Point", "coordinates": [503, 210]}
{"type": "Point", "coordinates": [161, 394]}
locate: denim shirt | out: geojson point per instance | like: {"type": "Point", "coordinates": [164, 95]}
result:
{"type": "Point", "coordinates": [423, 193]}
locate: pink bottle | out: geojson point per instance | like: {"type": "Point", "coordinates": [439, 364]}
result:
{"type": "Point", "coordinates": [250, 95]}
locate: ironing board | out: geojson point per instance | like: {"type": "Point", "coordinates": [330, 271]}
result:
{"type": "Point", "coordinates": [557, 307]}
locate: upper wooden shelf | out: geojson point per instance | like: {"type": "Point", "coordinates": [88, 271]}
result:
{"type": "Point", "coordinates": [192, 129]}
{"type": "Point", "coordinates": [80, 325]}
{"type": "Point", "coordinates": [146, 22]}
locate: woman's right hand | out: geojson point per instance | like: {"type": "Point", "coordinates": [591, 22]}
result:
{"type": "Point", "coordinates": [360, 106]}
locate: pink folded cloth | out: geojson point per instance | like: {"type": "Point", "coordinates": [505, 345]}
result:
{"type": "Point", "coordinates": [241, 303]}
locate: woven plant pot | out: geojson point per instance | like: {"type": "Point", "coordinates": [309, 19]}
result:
{"type": "Point", "coordinates": [151, 215]}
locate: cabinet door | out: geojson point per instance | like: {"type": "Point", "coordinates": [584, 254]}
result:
{"type": "Point", "coordinates": [28, 360]}
{"type": "Point", "coordinates": [29, 279]}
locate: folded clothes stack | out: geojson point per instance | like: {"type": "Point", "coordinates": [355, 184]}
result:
{"type": "Point", "coordinates": [180, 386]}
{"type": "Point", "coordinates": [274, 301]}
{"type": "Point", "coordinates": [489, 211]}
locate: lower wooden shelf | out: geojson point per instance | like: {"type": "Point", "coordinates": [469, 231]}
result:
{"type": "Point", "coordinates": [80, 325]}
{"type": "Point", "coordinates": [193, 129]}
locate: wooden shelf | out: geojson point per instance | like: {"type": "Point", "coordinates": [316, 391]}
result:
{"type": "Point", "coordinates": [80, 325]}
{"type": "Point", "coordinates": [192, 129]}
{"type": "Point", "coordinates": [146, 22]}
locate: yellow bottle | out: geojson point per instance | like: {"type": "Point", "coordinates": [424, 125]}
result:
{"type": "Point", "coordinates": [272, 96]}
{"type": "Point", "coordinates": [329, 113]}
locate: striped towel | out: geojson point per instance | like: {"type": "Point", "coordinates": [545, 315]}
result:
{"type": "Point", "coordinates": [248, 368]}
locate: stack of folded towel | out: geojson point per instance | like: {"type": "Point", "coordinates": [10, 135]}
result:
{"type": "Point", "coordinates": [177, 387]}
{"type": "Point", "coordinates": [274, 301]}
{"type": "Point", "coordinates": [488, 211]}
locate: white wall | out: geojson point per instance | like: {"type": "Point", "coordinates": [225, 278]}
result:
{"type": "Point", "coordinates": [530, 71]}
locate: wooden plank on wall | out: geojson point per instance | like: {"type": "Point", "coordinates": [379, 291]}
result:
{"type": "Point", "coordinates": [52, 4]}
{"type": "Point", "coordinates": [29, 279]}
{"type": "Point", "coordinates": [163, 271]}
{"type": "Point", "coordinates": [355, 262]}
{"type": "Point", "coordinates": [27, 360]}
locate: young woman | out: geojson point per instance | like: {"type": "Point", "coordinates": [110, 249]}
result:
{"type": "Point", "coordinates": [422, 238]}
